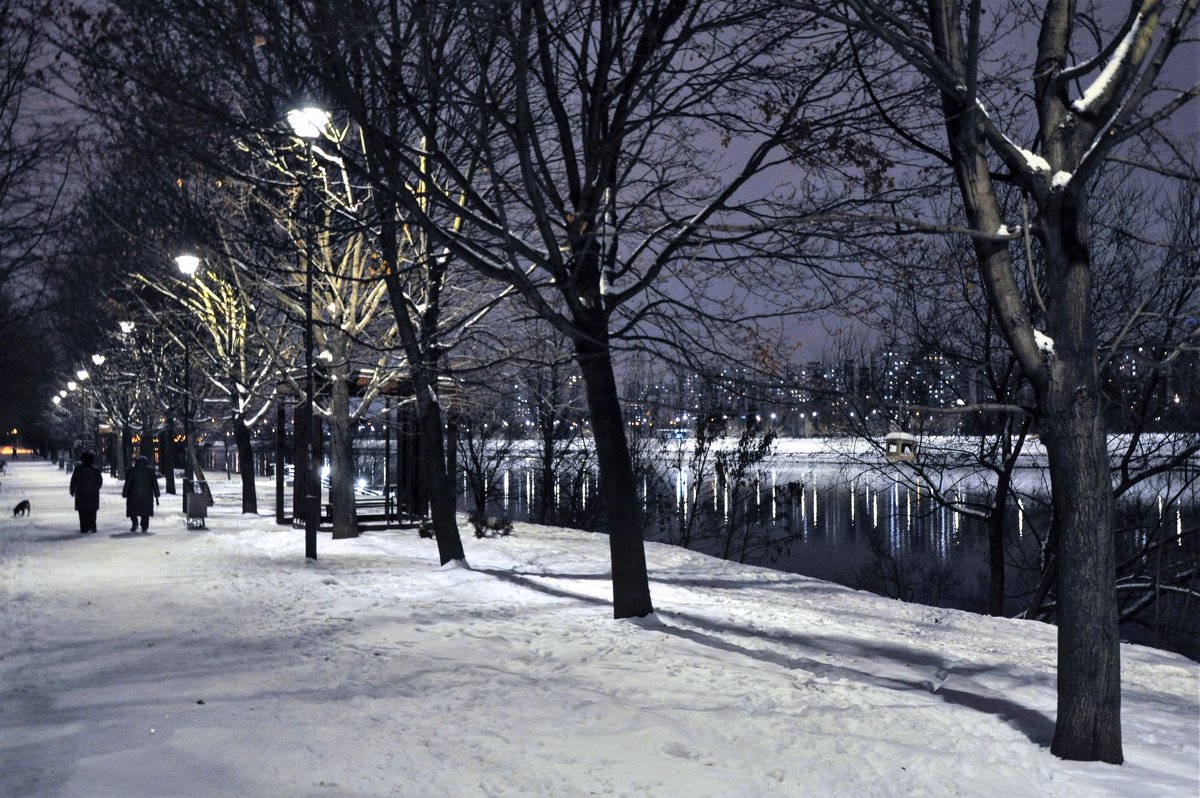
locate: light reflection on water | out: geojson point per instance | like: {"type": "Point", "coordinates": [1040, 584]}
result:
{"type": "Point", "coordinates": [823, 523]}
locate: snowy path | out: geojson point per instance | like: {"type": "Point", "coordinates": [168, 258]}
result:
{"type": "Point", "coordinates": [220, 663]}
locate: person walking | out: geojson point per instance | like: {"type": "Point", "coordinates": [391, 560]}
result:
{"type": "Point", "coordinates": [141, 486]}
{"type": "Point", "coordinates": [85, 487]}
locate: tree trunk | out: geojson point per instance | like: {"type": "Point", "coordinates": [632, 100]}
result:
{"type": "Point", "coordinates": [618, 493]}
{"type": "Point", "coordinates": [389, 496]}
{"type": "Point", "coordinates": [547, 475]}
{"type": "Point", "coordinates": [299, 461]}
{"type": "Point", "coordinates": [996, 545]}
{"type": "Point", "coordinates": [1065, 379]}
{"type": "Point", "coordinates": [1047, 578]}
{"type": "Point", "coordinates": [411, 497]}
{"type": "Point", "coordinates": [437, 480]}
{"type": "Point", "coordinates": [452, 454]}
{"type": "Point", "coordinates": [126, 449]}
{"type": "Point", "coordinates": [341, 446]}
{"type": "Point", "coordinates": [280, 443]}
{"type": "Point", "coordinates": [198, 477]}
{"type": "Point", "coordinates": [1089, 652]}
{"type": "Point", "coordinates": [245, 450]}
{"type": "Point", "coordinates": [167, 455]}
{"type": "Point", "coordinates": [424, 362]}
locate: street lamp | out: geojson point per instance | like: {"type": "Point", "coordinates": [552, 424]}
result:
{"type": "Point", "coordinates": [83, 375]}
{"type": "Point", "coordinates": [188, 264]}
{"type": "Point", "coordinates": [309, 123]}
{"type": "Point", "coordinates": [98, 360]}
{"type": "Point", "coordinates": [72, 387]}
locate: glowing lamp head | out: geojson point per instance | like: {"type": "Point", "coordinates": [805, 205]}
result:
{"type": "Point", "coordinates": [188, 264]}
{"type": "Point", "coordinates": [308, 122]}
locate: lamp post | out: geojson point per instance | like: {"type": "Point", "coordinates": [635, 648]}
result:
{"type": "Point", "coordinates": [308, 123]}
{"type": "Point", "coordinates": [120, 452]}
{"type": "Point", "coordinates": [58, 400]}
{"type": "Point", "coordinates": [188, 264]}
{"type": "Point", "coordinates": [72, 387]}
{"type": "Point", "coordinates": [83, 376]}
{"type": "Point", "coordinates": [98, 359]}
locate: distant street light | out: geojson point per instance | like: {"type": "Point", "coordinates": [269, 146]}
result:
{"type": "Point", "coordinates": [188, 264]}
{"type": "Point", "coordinates": [98, 359]}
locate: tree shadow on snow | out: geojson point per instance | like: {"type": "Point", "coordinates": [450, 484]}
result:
{"type": "Point", "coordinates": [932, 677]}
{"type": "Point", "coordinates": [531, 581]}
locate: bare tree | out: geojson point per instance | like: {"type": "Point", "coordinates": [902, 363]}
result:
{"type": "Point", "coordinates": [354, 333]}
{"type": "Point", "coordinates": [34, 159]}
{"type": "Point", "coordinates": [575, 146]}
{"type": "Point", "coordinates": [1051, 141]}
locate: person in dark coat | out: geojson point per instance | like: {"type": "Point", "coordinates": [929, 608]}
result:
{"type": "Point", "coordinates": [85, 487]}
{"type": "Point", "coordinates": [141, 487]}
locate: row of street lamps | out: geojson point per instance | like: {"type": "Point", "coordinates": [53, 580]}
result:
{"type": "Point", "coordinates": [308, 123]}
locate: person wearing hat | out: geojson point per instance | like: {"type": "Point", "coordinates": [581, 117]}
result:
{"type": "Point", "coordinates": [141, 493]}
{"type": "Point", "coordinates": [85, 487]}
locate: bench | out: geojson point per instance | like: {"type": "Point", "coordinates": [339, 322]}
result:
{"type": "Point", "coordinates": [366, 508]}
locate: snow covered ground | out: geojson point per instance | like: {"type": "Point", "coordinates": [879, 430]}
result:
{"type": "Point", "coordinates": [221, 663]}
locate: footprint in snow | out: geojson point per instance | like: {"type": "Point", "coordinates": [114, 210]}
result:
{"type": "Point", "coordinates": [679, 751]}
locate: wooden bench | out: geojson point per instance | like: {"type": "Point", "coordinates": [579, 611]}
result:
{"type": "Point", "coordinates": [376, 511]}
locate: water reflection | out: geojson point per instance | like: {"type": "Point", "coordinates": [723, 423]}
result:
{"type": "Point", "coordinates": [825, 523]}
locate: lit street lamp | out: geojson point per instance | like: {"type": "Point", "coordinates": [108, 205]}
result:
{"type": "Point", "coordinates": [188, 264]}
{"type": "Point", "coordinates": [309, 123]}
{"type": "Point", "coordinates": [98, 360]}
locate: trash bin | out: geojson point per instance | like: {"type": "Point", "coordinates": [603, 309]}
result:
{"type": "Point", "coordinates": [197, 510]}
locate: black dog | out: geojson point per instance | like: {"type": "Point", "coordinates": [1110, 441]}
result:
{"type": "Point", "coordinates": [22, 508]}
